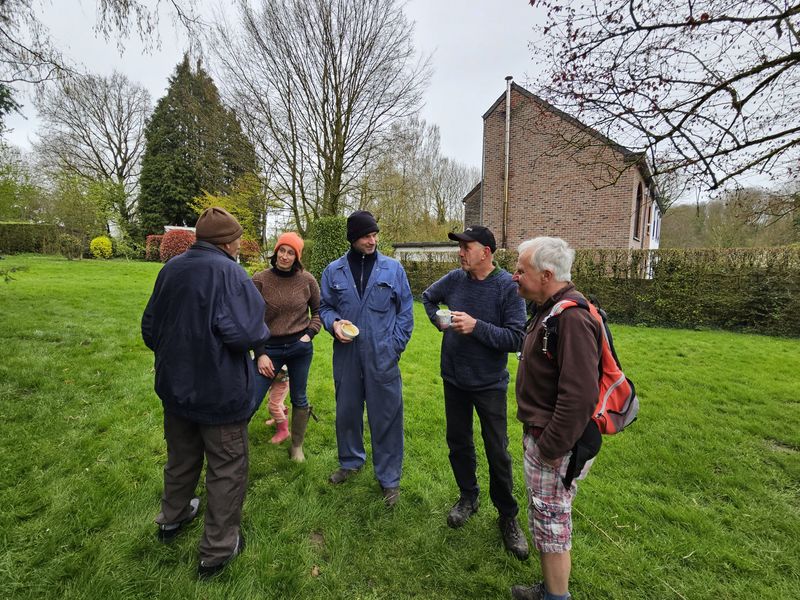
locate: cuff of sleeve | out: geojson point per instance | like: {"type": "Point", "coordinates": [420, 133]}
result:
{"type": "Point", "coordinates": [544, 448]}
{"type": "Point", "coordinates": [480, 329]}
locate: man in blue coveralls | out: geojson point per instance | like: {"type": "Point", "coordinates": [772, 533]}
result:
{"type": "Point", "coordinates": [371, 291]}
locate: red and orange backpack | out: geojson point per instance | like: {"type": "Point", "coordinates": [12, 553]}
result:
{"type": "Point", "coordinates": [618, 406]}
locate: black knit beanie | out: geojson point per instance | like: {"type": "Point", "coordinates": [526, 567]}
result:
{"type": "Point", "coordinates": [359, 224]}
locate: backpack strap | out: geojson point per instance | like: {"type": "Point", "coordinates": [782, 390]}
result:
{"type": "Point", "coordinates": [550, 323]}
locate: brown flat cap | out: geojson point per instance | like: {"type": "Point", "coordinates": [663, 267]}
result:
{"type": "Point", "coordinates": [217, 226]}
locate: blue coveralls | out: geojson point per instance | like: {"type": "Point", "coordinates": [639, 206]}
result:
{"type": "Point", "coordinates": [367, 370]}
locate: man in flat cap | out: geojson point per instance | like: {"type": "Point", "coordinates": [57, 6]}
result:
{"type": "Point", "coordinates": [371, 291]}
{"type": "Point", "coordinates": [488, 321]}
{"type": "Point", "coordinates": [202, 319]}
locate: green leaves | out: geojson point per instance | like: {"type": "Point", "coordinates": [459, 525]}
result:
{"type": "Point", "coordinates": [328, 241]}
{"type": "Point", "coordinates": [194, 145]}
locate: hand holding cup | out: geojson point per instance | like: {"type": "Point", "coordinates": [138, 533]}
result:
{"type": "Point", "coordinates": [345, 331]}
{"type": "Point", "coordinates": [443, 318]}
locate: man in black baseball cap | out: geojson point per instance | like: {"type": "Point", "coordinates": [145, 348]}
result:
{"type": "Point", "coordinates": [476, 233]}
{"type": "Point", "coordinates": [487, 322]}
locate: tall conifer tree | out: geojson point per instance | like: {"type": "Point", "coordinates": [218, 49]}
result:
{"type": "Point", "coordinates": [194, 144]}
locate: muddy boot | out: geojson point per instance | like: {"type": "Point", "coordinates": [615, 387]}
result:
{"type": "Point", "coordinates": [299, 424]}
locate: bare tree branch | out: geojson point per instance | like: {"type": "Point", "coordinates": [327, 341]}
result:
{"type": "Point", "coordinates": [93, 127]}
{"type": "Point", "coordinates": [28, 56]}
{"type": "Point", "coordinates": [318, 83]}
{"type": "Point", "coordinates": [709, 86]}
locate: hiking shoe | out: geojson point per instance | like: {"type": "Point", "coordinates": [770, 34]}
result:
{"type": "Point", "coordinates": [205, 571]}
{"type": "Point", "coordinates": [391, 496]}
{"type": "Point", "coordinates": [167, 533]}
{"type": "Point", "coordinates": [461, 511]}
{"type": "Point", "coordinates": [341, 475]}
{"type": "Point", "coordinates": [513, 538]}
{"type": "Point", "coordinates": [534, 592]}
{"type": "Point", "coordinates": [523, 592]}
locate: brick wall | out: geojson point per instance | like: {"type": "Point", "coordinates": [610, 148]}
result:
{"type": "Point", "coordinates": [472, 207]}
{"type": "Point", "coordinates": [562, 181]}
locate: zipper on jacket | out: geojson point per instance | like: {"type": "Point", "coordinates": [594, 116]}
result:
{"type": "Point", "coordinates": [361, 276]}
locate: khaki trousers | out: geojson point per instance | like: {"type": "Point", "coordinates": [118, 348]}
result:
{"type": "Point", "coordinates": [225, 449]}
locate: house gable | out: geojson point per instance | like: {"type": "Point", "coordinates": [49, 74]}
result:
{"type": "Point", "coordinates": [564, 179]}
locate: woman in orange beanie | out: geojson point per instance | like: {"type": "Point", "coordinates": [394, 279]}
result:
{"type": "Point", "coordinates": [292, 315]}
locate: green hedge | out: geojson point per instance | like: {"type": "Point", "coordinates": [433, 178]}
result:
{"type": "Point", "coordinates": [28, 237]}
{"type": "Point", "coordinates": [422, 273]}
{"type": "Point", "coordinates": [754, 290]}
{"type": "Point", "coordinates": [328, 237]}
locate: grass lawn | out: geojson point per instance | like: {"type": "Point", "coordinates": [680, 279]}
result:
{"type": "Point", "coordinates": [699, 499]}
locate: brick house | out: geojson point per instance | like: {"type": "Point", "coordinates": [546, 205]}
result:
{"type": "Point", "coordinates": [563, 179]}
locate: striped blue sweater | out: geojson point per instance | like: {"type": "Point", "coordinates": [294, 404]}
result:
{"type": "Point", "coordinates": [478, 361]}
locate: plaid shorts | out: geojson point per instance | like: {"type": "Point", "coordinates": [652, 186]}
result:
{"type": "Point", "coordinates": [549, 502]}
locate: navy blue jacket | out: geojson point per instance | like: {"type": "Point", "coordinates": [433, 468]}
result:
{"type": "Point", "coordinates": [203, 317]}
{"type": "Point", "coordinates": [384, 315]}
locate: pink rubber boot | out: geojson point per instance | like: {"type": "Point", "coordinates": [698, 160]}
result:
{"type": "Point", "coordinates": [282, 434]}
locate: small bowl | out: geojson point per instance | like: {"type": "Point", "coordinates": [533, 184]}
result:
{"type": "Point", "coordinates": [349, 331]}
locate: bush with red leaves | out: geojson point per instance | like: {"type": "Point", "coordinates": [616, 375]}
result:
{"type": "Point", "coordinates": [250, 251]}
{"type": "Point", "coordinates": [152, 247]}
{"type": "Point", "coordinates": [175, 242]}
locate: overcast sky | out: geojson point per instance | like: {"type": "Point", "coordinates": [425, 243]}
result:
{"type": "Point", "coordinates": [474, 43]}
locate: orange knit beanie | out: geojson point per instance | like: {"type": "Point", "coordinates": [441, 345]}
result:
{"type": "Point", "coordinates": [294, 241]}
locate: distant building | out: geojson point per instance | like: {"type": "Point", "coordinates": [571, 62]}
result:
{"type": "Point", "coordinates": [445, 251]}
{"type": "Point", "coordinates": [559, 177]}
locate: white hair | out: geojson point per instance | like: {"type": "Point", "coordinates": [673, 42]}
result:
{"type": "Point", "coordinates": [549, 254]}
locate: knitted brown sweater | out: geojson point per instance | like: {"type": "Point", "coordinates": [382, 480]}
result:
{"type": "Point", "coordinates": [289, 300]}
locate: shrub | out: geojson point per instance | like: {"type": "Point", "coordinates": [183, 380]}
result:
{"type": "Point", "coordinates": [28, 237]}
{"type": "Point", "coordinates": [128, 249]}
{"type": "Point", "coordinates": [175, 242]}
{"type": "Point", "coordinates": [152, 248]}
{"type": "Point", "coordinates": [329, 241]}
{"type": "Point", "coordinates": [254, 267]}
{"type": "Point", "coordinates": [250, 251]}
{"type": "Point", "coordinates": [308, 253]}
{"type": "Point", "coordinates": [422, 273]}
{"type": "Point", "coordinates": [101, 247]}
{"type": "Point", "coordinates": [70, 246]}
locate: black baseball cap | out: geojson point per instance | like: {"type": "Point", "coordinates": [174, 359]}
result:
{"type": "Point", "coordinates": [476, 233]}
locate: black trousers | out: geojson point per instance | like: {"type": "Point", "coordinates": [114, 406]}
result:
{"type": "Point", "coordinates": [491, 408]}
{"type": "Point", "coordinates": [225, 450]}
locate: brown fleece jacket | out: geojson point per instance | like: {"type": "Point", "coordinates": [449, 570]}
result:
{"type": "Point", "coordinates": [559, 394]}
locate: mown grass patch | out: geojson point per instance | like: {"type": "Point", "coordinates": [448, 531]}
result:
{"type": "Point", "coordinates": [699, 499]}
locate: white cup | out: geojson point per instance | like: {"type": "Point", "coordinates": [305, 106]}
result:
{"type": "Point", "coordinates": [349, 331]}
{"type": "Point", "coordinates": [444, 318]}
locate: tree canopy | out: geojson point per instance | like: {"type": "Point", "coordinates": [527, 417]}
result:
{"type": "Point", "coordinates": [706, 87]}
{"type": "Point", "coordinates": [736, 219]}
{"type": "Point", "coordinates": [27, 55]}
{"type": "Point", "coordinates": [93, 127]}
{"type": "Point", "coordinates": [193, 144]}
{"type": "Point", "coordinates": [317, 84]}
{"type": "Point", "coordinates": [412, 188]}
